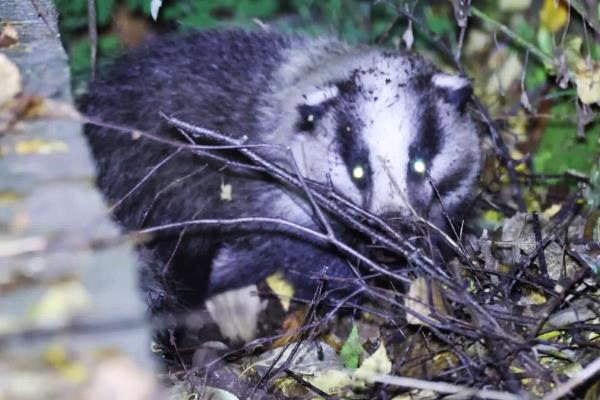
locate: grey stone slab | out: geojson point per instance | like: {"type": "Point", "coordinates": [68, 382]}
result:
{"type": "Point", "coordinates": [51, 215]}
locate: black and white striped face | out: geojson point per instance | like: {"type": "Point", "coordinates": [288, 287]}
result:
{"type": "Point", "coordinates": [386, 132]}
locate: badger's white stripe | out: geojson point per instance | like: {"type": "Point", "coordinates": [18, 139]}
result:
{"type": "Point", "coordinates": [452, 82]}
{"type": "Point", "coordinates": [322, 95]}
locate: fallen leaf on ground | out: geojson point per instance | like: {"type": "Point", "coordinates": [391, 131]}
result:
{"type": "Point", "coordinates": [9, 36]}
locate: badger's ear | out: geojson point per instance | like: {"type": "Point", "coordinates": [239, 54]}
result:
{"type": "Point", "coordinates": [457, 89]}
{"type": "Point", "coordinates": [314, 105]}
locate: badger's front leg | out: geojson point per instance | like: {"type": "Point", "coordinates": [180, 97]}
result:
{"type": "Point", "coordinates": [249, 259]}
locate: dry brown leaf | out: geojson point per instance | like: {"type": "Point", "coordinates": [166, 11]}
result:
{"type": "Point", "coordinates": [291, 326]}
{"type": "Point", "coordinates": [9, 36]}
{"type": "Point", "coordinates": [425, 298]}
{"type": "Point", "coordinates": [34, 107]}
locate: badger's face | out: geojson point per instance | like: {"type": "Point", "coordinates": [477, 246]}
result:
{"type": "Point", "coordinates": [386, 133]}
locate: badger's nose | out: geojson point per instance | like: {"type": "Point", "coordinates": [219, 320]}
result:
{"type": "Point", "coordinates": [404, 225]}
{"type": "Point", "coordinates": [395, 220]}
{"type": "Point", "coordinates": [407, 228]}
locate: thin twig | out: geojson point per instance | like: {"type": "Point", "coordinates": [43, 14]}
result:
{"type": "Point", "coordinates": [297, 229]}
{"type": "Point", "coordinates": [582, 377]}
{"type": "Point", "coordinates": [439, 387]}
{"type": "Point", "coordinates": [93, 34]}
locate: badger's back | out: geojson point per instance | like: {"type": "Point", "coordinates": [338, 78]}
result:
{"type": "Point", "coordinates": [210, 79]}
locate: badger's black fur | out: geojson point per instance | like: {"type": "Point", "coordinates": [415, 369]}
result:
{"type": "Point", "coordinates": [233, 82]}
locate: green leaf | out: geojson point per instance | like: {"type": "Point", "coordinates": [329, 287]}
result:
{"type": "Point", "coordinates": [109, 44]}
{"type": "Point", "coordinates": [352, 349]}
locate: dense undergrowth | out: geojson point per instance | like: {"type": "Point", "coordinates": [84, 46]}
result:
{"type": "Point", "coordinates": [516, 314]}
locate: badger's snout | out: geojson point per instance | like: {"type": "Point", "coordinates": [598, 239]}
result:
{"type": "Point", "coordinates": [406, 226]}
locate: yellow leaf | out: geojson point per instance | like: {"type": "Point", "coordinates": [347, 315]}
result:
{"type": "Point", "coordinates": [376, 363]}
{"type": "Point", "coordinates": [536, 297]}
{"type": "Point", "coordinates": [554, 15]}
{"type": "Point", "coordinates": [587, 78]}
{"type": "Point", "coordinates": [226, 190]}
{"type": "Point", "coordinates": [282, 288]}
{"type": "Point", "coordinates": [551, 211]}
{"type": "Point", "coordinates": [331, 381]}
{"type": "Point", "coordinates": [493, 216]}
{"type": "Point", "coordinates": [549, 335]}
{"type": "Point", "coordinates": [58, 358]}
{"type": "Point", "coordinates": [39, 146]}
{"type": "Point", "coordinates": [59, 304]}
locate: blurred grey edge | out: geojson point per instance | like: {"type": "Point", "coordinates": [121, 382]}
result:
{"type": "Point", "coordinates": [54, 225]}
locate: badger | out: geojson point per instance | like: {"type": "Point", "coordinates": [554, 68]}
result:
{"type": "Point", "coordinates": [379, 127]}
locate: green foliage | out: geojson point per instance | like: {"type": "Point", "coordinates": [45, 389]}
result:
{"type": "Point", "coordinates": [352, 349]}
{"type": "Point", "coordinates": [559, 149]}
{"type": "Point", "coordinates": [366, 21]}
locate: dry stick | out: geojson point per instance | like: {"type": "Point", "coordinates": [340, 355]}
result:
{"type": "Point", "coordinates": [411, 253]}
{"type": "Point", "coordinates": [458, 244]}
{"type": "Point", "coordinates": [396, 187]}
{"type": "Point", "coordinates": [309, 317]}
{"type": "Point", "coordinates": [502, 152]}
{"type": "Point", "coordinates": [93, 33]}
{"type": "Point", "coordinates": [461, 295]}
{"type": "Point", "coordinates": [182, 233]}
{"type": "Point", "coordinates": [303, 382]}
{"type": "Point", "coordinates": [282, 175]}
{"type": "Point", "coordinates": [515, 37]}
{"type": "Point", "coordinates": [500, 148]}
{"type": "Point", "coordinates": [175, 143]}
{"type": "Point", "coordinates": [309, 194]}
{"type": "Point", "coordinates": [388, 30]}
{"type": "Point", "coordinates": [563, 214]}
{"type": "Point", "coordinates": [143, 180]}
{"type": "Point", "coordinates": [43, 15]}
{"type": "Point", "coordinates": [537, 230]}
{"type": "Point", "coordinates": [295, 228]}
{"type": "Point", "coordinates": [439, 387]}
{"type": "Point", "coordinates": [558, 300]}
{"type": "Point", "coordinates": [165, 189]}
{"type": "Point", "coordinates": [582, 377]}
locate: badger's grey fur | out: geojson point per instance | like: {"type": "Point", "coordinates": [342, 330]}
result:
{"type": "Point", "coordinates": [366, 121]}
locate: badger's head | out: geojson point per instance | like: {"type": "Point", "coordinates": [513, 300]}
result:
{"type": "Point", "coordinates": [384, 129]}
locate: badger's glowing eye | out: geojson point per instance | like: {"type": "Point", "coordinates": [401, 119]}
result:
{"type": "Point", "coordinates": [419, 166]}
{"type": "Point", "coordinates": [358, 172]}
